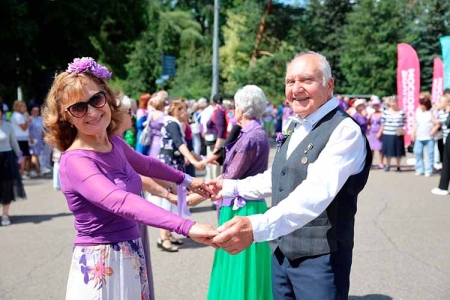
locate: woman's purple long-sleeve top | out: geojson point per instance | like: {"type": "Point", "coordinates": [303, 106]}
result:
{"type": "Point", "coordinates": [102, 190]}
{"type": "Point", "coordinates": [249, 154]}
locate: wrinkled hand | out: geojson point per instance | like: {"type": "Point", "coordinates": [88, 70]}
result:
{"type": "Point", "coordinates": [199, 165]}
{"type": "Point", "coordinates": [203, 233]}
{"type": "Point", "coordinates": [216, 186]}
{"type": "Point", "coordinates": [235, 235]}
{"type": "Point", "coordinates": [199, 186]}
{"type": "Point", "coordinates": [194, 199]}
{"type": "Point", "coordinates": [172, 198]}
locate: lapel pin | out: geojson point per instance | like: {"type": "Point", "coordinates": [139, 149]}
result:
{"type": "Point", "coordinates": [310, 146]}
{"type": "Point", "coordinates": [304, 160]}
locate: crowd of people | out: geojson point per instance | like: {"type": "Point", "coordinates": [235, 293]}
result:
{"type": "Point", "coordinates": [384, 122]}
{"type": "Point", "coordinates": [144, 155]}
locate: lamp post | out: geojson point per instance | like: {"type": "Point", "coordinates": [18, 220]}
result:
{"type": "Point", "coordinates": [215, 60]}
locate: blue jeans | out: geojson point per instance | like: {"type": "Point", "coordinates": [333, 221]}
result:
{"type": "Point", "coordinates": [418, 153]}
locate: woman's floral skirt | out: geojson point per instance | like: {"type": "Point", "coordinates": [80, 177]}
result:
{"type": "Point", "coordinates": [110, 271]}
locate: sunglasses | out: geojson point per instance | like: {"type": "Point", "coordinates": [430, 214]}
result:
{"type": "Point", "coordinates": [80, 109]}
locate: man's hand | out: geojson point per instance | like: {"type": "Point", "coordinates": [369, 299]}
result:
{"type": "Point", "coordinates": [216, 186]}
{"type": "Point", "coordinates": [203, 233]}
{"type": "Point", "coordinates": [235, 235]}
{"type": "Point", "coordinates": [198, 186]}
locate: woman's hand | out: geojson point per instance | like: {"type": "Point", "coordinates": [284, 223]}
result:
{"type": "Point", "coordinates": [194, 199]}
{"type": "Point", "coordinates": [200, 187]}
{"type": "Point", "coordinates": [216, 186]}
{"type": "Point", "coordinates": [203, 233]}
{"type": "Point", "coordinates": [172, 199]}
{"type": "Point", "coordinates": [199, 165]}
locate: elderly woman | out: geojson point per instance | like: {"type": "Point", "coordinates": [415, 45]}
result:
{"type": "Point", "coordinates": [149, 185]}
{"type": "Point", "coordinates": [392, 134]}
{"type": "Point", "coordinates": [247, 275]}
{"type": "Point", "coordinates": [173, 153]}
{"type": "Point", "coordinates": [99, 176]}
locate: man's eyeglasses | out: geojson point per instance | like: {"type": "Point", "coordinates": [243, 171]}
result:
{"type": "Point", "coordinates": [80, 109]}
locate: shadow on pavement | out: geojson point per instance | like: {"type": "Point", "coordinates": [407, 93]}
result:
{"type": "Point", "coordinates": [370, 297]}
{"type": "Point", "coordinates": [201, 209]}
{"type": "Point", "coordinates": [19, 219]}
{"type": "Point", "coordinates": [190, 244]}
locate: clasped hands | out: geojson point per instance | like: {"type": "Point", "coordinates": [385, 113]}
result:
{"type": "Point", "coordinates": [233, 236]}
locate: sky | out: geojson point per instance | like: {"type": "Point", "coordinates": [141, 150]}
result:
{"type": "Point", "coordinates": [293, 2]}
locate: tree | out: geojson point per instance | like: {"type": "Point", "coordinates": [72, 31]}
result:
{"type": "Point", "coordinates": [169, 32]}
{"type": "Point", "coordinates": [433, 21]}
{"type": "Point", "coordinates": [322, 31]}
{"type": "Point", "coordinates": [240, 33]}
{"type": "Point", "coordinates": [40, 38]}
{"type": "Point", "coordinates": [369, 57]}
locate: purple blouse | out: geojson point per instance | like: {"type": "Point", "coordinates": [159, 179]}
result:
{"type": "Point", "coordinates": [249, 154]}
{"type": "Point", "coordinates": [361, 120]}
{"type": "Point", "coordinates": [218, 123]}
{"type": "Point", "coordinates": [102, 191]}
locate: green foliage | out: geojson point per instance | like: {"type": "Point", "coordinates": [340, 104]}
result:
{"type": "Point", "coordinates": [240, 33]}
{"type": "Point", "coordinates": [268, 74]}
{"type": "Point", "coordinates": [433, 20]}
{"type": "Point", "coordinates": [322, 31]}
{"type": "Point", "coordinates": [369, 57]}
{"type": "Point", "coordinates": [358, 37]}
{"type": "Point", "coordinates": [169, 32]}
{"type": "Point", "coordinates": [40, 38]}
{"type": "Point", "coordinates": [193, 78]}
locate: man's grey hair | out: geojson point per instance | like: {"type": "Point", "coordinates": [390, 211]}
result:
{"type": "Point", "coordinates": [251, 100]}
{"type": "Point", "coordinates": [324, 66]}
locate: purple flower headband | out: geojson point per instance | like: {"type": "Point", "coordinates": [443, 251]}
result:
{"type": "Point", "coordinates": [88, 65]}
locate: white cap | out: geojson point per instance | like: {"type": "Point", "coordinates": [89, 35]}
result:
{"type": "Point", "coordinates": [359, 102]}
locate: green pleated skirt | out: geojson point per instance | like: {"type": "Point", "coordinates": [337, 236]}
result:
{"type": "Point", "coordinates": [244, 276]}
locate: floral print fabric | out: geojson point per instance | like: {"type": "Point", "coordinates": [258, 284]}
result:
{"type": "Point", "coordinates": [109, 271]}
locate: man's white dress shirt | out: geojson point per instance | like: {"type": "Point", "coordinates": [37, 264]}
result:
{"type": "Point", "coordinates": [343, 156]}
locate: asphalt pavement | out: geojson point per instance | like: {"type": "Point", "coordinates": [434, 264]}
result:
{"type": "Point", "coordinates": [402, 245]}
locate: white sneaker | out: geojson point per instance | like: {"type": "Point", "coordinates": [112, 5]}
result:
{"type": "Point", "coordinates": [25, 177]}
{"type": "Point", "coordinates": [5, 221]}
{"type": "Point", "coordinates": [418, 174]}
{"type": "Point", "coordinates": [428, 175]}
{"type": "Point", "coordinates": [438, 191]}
{"type": "Point", "coordinates": [45, 171]}
{"type": "Point", "coordinates": [33, 174]}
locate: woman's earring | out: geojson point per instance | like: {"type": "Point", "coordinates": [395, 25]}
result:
{"type": "Point", "coordinates": [71, 125]}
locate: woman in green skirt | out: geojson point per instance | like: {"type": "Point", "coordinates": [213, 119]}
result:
{"type": "Point", "coordinates": [247, 275]}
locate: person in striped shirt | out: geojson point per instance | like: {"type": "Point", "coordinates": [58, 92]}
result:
{"type": "Point", "coordinates": [392, 134]}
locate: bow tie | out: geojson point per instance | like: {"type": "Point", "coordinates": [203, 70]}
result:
{"type": "Point", "coordinates": [303, 122]}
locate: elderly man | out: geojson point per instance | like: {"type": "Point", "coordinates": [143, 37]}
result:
{"type": "Point", "coordinates": [321, 166]}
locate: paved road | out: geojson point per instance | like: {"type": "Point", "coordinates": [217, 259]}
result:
{"type": "Point", "coordinates": [402, 245]}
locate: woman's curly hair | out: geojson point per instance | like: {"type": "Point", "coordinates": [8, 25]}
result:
{"type": "Point", "coordinates": [66, 87]}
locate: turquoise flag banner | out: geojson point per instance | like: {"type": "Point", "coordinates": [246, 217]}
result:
{"type": "Point", "coordinates": [445, 44]}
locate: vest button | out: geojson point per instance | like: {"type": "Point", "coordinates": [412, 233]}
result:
{"type": "Point", "coordinates": [281, 189]}
{"type": "Point", "coordinates": [283, 173]}
{"type": "Point", "coordinates": [279, 238]}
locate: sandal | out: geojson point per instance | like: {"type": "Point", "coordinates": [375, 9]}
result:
{"type": "Point", "coordinates": [175, 241]}
{"type": "Point", "coordinates": [166, 245]}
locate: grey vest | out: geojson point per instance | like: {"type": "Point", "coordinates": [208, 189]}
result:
{"type": "Point", "coordinates": [333, 230]}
